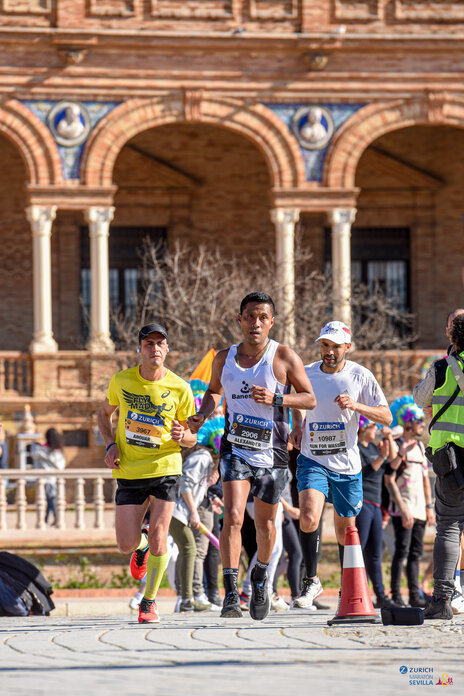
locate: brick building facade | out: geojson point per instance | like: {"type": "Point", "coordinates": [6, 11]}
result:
{"type": "Point", "coordinates": [223, 121]}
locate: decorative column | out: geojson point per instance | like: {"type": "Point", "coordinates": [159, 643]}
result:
{"type": "Point", "coordinates": [99, 224]}
{"type": "Point", "coordinates": [285, 220]}
{"type": "Point", "coordinates": [341, 220]}
{"type": "Point", "coordinates": [41, 218]}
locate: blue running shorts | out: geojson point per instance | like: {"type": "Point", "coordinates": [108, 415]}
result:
{"type": "Point", "coordinates": [344, 491]}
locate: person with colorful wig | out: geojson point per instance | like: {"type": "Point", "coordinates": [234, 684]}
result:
{"type": "Point", "coordinates": [374, 458]}
{"type": "Point", "coordinates": [411, 506]}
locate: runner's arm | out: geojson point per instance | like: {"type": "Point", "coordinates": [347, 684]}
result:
{"type": "Point", "coordinates": [298, 417]}
{"type": "Point", "coordinates": [376, 414]}
{"type": "Point", "coordinates": [289, 369]}
{"type": "Point", "coordinates": [181, 433]}
{"type": "Point", "coordinates": [104, 417]}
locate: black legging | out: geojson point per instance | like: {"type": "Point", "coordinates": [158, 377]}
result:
{"type": "Point", "coordinates": [292, 546]}
{"type": "Point", "coordinates": [211, 562]}
{"type": "Point", "coordinates": [409, 544]}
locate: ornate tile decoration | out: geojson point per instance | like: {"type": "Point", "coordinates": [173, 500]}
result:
{"type": "Point", "coordinates": [313, 158]}
{"type": "Point", "coordinates": [71, 154]}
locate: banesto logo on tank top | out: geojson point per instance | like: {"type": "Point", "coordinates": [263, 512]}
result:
{"type": "Point", "coordinates": [142, 402]}
{"type": "Point", "coordinates": [244, 392]}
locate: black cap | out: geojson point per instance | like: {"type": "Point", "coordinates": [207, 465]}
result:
{"type": "Point", "coordinates": [152, 328]}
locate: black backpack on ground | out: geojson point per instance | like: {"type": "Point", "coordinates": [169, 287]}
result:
{"type": "Point", "coordinates": [27, 581]}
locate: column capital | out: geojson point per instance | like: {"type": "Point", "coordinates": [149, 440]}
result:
{"type": "Point", "coordinates": [342, 216]}
{"type": "Point", "coordinates": [99, 218]}
{"type": "Point", "coordinates": [285, 216]}
{"type": "Point", "coordinates": [41, 217]}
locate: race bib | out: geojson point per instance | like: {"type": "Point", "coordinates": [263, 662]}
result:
{"type": "Point", "coordinates": [143, 430]}
{"type": "Point", "coordinates": [249, 432]}
{"type": "Point", "coordinates": [327, 438]}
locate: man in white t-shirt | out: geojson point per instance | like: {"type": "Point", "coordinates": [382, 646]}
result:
{"type": "Point", "coordinates": [329, 464]}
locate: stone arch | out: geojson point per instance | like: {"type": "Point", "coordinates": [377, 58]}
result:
{"type": "Point", "coordinates": [33, 141]}
{"type": "Point", "coordinates": [257, 123]}
{"type": "Point", "coordinates": [375, 120]}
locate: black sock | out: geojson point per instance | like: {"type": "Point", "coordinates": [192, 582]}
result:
{"type": "Point", "coordinates": [230, 579]}
{"type": "Point", "coordinates": [260, 571]}
{"type": "Point", "coordinates": [310, 547]}
{"type": "Point", "coordinates": [341, 551]}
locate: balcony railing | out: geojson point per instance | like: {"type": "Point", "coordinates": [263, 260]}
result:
{"type": "Point", "coordinates": [70, 495]}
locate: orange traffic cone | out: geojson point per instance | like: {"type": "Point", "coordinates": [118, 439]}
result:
{"type": "Point", "coordinates": [355, 604]}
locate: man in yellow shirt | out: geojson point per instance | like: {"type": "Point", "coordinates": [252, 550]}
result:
{"type": "Point", "coordinates": [154, 405]}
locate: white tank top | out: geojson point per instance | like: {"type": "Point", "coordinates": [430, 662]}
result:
{"type": "Point", "coordinates": [255, 432]}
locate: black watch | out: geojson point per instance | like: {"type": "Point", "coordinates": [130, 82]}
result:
{"type": "Point", "coordinates": [278, 400]}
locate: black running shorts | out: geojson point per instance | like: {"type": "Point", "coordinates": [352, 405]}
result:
{"type": "Point", "coordinates": [266, 484]}
{"type": "Point", "coordinates": [136, 491]}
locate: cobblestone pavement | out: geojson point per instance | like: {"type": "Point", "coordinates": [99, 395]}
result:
{"type": "Point", "coordinates": [202, 654]}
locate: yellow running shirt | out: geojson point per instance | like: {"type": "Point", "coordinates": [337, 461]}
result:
{"type": "Point", "coordinates": [146, 412]}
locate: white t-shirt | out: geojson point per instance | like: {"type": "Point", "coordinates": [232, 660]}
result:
{"type": "Point", "coordinates": [330, 435]}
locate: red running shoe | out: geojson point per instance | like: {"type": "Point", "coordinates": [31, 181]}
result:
{"type": "Point", "coordinates": [138, 561]}
{"type": "Point", "coordinates": [148, 611]}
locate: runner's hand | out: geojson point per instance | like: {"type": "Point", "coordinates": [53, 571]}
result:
{"type": "Point", "coordinates": [262, 395]}
{"type": "Point", "coordinates": [112, 457]}
{"type": "Point", "coordinates": [177, 431]}
{"type": "Point", "coordinates": [295, 437]}
{"type": "Point", "coordinates": [195, 422]}
{"type": "Point", "coordinates": [345, 401]}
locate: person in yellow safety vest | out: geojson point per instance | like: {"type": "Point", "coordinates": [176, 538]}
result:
{"type": "Point", "coordinates": [446, 451]}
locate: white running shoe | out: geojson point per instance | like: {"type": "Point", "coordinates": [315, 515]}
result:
{"type": "Point", "coordinates": [177, 605]}
{"type": "Point", "coordinates": [278, 603]}
{"type": "Point", "coordinates": [311, 590]}
{"type": "Point", "coordinates": [135, 600]}
{"type": "Point", "coordinates": [457, 603]}
{"type": "Point", "coordinates": [203, 599]}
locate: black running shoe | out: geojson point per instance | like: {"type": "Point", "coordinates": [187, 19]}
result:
{"type": "Point", "coordinates": [415, 600]}
{"type": "Point", "coordinates": [438, 608]}
{"type": "Point", "coordinates": [259, 601]}
{"type": "Point", "coordinates": [231, 606]}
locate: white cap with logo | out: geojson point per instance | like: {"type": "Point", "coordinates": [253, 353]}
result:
{"type": "Point", "coordinates": [336, 331]}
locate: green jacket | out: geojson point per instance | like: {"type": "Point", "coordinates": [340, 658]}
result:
{"type": "Point", "coordinates": [450, 426]}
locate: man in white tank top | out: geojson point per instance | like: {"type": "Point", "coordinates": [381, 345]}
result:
{"type": "Point", "coordinates": [329, 464]}
{"type": "Point", "coordinates": [255, 377]}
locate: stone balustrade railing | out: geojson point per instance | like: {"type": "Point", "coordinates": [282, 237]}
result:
{"type": "Point", "coordinates": [74, 478]}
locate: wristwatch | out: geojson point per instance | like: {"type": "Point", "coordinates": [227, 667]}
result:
{"type": "Point", "coordinates": [278, 400]}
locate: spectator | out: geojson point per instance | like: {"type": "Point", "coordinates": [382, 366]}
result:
{"type": "Point", "coordinates": [50, 456]}
{"type": "Point", "coordinates": [374, 460]}
{"type": "Point", "coordinates": [196, 478]}
{"type": "Point", "coordinates": [410, 500]}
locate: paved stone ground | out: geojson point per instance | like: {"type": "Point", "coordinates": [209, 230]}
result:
{"type": "Point", "coordinates": [202, 654]}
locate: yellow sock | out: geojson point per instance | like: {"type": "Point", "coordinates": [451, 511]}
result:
{"type": "Point", "coordinates": [143, 544]}
{"type": "Point", "coordinates": [156, 565]}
